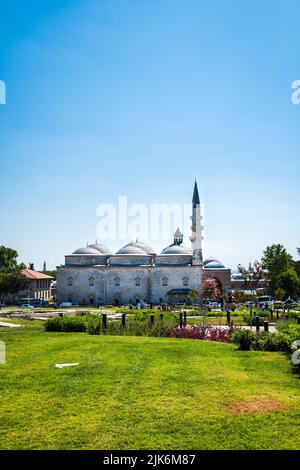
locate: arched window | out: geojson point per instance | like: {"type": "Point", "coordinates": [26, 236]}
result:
{"type": "Point", "coordinates": [165, 281]}
{"type": "Point", "coordinates": [117, 281]}
{"type": "Point", "coordinates": [70, 281]}
{"type": "Point", "coordinates": [137, 281]}
{"type": "Point", "coordinates": [91, 281]}
{"type": "Point", "coordinates": [185, 281]}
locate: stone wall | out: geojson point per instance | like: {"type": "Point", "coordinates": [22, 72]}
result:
{"type": "Point", "coordinates": [123, 285]}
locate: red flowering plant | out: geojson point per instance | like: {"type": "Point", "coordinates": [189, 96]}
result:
{"type": "Point", "coordinates": [211, 333]}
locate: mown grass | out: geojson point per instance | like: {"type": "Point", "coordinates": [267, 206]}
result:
{"type": "Point", "coordinates": [141, 393]}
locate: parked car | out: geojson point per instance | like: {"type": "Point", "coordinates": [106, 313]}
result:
{"type": "Point", "coordinates": [215, 304]}
{"type": "Point", "coordinates": [66, 305]}
{"type": "Point", "coordinates": [27, 306]}
{"type": "Point", "coordinates": [2, 304]}
{"type": "Point", "coordinates": [265, 301]}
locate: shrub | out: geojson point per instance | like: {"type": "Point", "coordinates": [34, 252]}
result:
{"type": "Point", "coordinates": [53, 324]}
{"type": "Point", "coordinates": [66, 324]}
{"type": "Point", "coordinates": [282, 325]}
{"type": "Point", "coordinates": [93, 325]}
{"type": "Point", "coordinates": [262, 314]}
{"type": "Point", "coordinates": [269, 342]}
{"type": "Point", "coordinates": [243, 338]}
{"type": "Point", "coordinates": [292, 334]}
{"type": "Point", "coordinates": [262, 341]}
{"type": "Point", "coordinates": [140, 325]}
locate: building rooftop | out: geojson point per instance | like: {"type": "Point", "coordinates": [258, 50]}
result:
{"type": "Point", "coordinates": [31, 274]}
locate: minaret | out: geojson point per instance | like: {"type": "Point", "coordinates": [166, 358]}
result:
{"type": "Point", "coordinates": [197, 228]}
{"type": "Point", "coordinates": [44, 267]}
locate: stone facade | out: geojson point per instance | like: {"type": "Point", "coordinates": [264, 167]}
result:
{"type": "Point", "coordinates": [125, 285]}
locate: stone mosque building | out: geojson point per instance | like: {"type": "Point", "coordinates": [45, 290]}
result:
{"type": "Point", "coordinates": [93, 275]}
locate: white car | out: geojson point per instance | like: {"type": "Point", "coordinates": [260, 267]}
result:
{"type": "Point", "coordinates": [214, 304]}
{"type": "Point", "coordinates": [26, 306]}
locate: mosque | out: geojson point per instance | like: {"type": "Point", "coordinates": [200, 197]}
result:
{"type": "Point", "coordinates": [93, 275]}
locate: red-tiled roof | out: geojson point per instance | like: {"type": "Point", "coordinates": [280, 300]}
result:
{"type": "Point", "coordinates": [31, 274]}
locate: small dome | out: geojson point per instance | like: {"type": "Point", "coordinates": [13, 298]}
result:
{"type": "Point", "coordinates": [236, 277]}
{"type": "Point", "coordinates": [131, 249]}
{"type": "Point", "coordinates": [86, 250]}
{"type": "Point", "coordinates": [176, 250]}
{"type": "Point", "coordinates": [211, 263]}
{"type": "Point", "coordinates": [208, 260]}
{"type": "Point", "coordinates": [101, 248]}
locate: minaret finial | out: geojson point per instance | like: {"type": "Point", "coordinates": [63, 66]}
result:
{"type": "Point", "coordinates": [197, 227]}
{"type": "Point", "coordinates": [196, 198]}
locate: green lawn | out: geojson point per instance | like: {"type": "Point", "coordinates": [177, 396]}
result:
{"type": "Point", "coordinates": [143, 393]}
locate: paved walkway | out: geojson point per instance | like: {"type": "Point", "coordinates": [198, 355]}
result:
{"type": "Point", "coordinates": [272, 329]}
{"type": "Point", "coordinates": [10, 325]}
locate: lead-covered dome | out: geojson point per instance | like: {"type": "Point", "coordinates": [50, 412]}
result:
{"type": "Point", "coordinates": [102, 249]}
{"type": "Point", "coordinates": [136, 248]}
{"type": "Point", "coordinates": [211, 263]}
{"type": "Point", "coordinates": [144, 246]}
{"type": "Point", "coordinates": [177, 250]}
{"type": "Point", "coordinates": [131, 249]}
{"type": "Point", "coordinates": [86, 250]}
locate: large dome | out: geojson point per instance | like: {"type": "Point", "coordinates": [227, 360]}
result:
{"type": "Point", "coordinates": [177, 250]}
{"type": "Point", "coordinates": [211, 263]}
{"type": "Point", "coordinates": [101, 248]}
{"type": "Point", "coordinates": [131, 249]}
{"type": "Point", "coordinates": [144, 246]}
{"type": "Point", "coordinates": [86, 250]}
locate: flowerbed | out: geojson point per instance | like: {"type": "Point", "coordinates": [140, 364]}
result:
{"type": "Point", "coordinates": [210, 333]}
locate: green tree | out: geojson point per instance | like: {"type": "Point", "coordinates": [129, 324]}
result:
{"type": "Point", "coordinates": [11, 278]}
{"type": "Point", "coordinates": [289, 282]}
{"type": "Point", "coordinates": [280, 293]}
{"type": "Point", "coordinates": [251, 275]}
{"type": "Point", "coordinates": [297, 264]}
{"type": "Point", "coordinates": [297, 267]}
{"type": "Point", "coordinates": [238, 295]}
{"type": "Point", "coordinates": [52, 273]}
{"type": "Point", "coordinates": [11, 283]}
{"type": "Point", "coordinates": [276, 260]}
{"type": "Point", "coordinates": [8, 259]}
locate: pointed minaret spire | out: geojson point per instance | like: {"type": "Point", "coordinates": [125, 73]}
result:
{"type": "Point", "coordinates": [196, 198]}
{"type": "Point", "coordinates": [44, 267]}
{"type": "Point", "coordinates": [197, 227]}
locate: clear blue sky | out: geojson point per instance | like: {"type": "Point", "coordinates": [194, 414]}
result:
{"type": "Point", "coordinates": [114, 97]}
